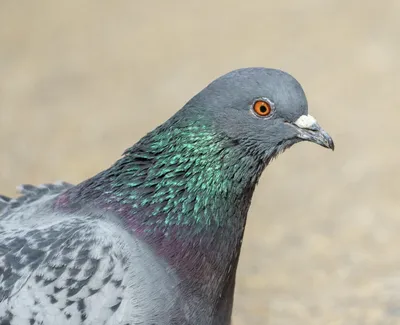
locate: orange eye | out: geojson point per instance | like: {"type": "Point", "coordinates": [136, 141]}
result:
{"type": "Point", "coordinates": [262, 108]}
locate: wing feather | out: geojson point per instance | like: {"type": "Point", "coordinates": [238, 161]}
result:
{"type": "Point", "coordinates": [78, 270]}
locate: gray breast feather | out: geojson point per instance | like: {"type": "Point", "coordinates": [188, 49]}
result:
{"type": "Point", "coordinates": [73, 270]}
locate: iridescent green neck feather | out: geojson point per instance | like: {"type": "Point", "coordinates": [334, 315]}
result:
{"type": "Point", "coordinates": [183, 173]}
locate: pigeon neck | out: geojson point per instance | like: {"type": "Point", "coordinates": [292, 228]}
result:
{"type": "Point", "coordinates": [185, 177]}
{"type": "Point", "coordinates": [186, 192]}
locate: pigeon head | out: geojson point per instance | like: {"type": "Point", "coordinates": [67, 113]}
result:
{"type": "Point", "coordinates": [264, 109]}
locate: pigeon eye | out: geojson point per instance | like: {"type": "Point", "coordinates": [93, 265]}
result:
{"type": "Point", "coordinates": [262, 108]}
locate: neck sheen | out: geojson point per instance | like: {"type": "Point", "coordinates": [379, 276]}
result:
{"type": "Point", "coordinates": [185, 190]}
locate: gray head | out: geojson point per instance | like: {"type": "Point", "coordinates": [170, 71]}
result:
{"type": "Point", "coordinates": [266, 109]}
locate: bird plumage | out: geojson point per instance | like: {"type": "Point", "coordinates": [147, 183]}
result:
{"type": "Point", "coordinates": [155, 238]}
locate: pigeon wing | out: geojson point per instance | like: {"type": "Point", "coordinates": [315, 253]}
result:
{"type": "Point", "coordinates": [74, 269]}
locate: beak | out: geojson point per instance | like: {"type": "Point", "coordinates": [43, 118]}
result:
{"type": "Point", "coordinates": [309, 130]}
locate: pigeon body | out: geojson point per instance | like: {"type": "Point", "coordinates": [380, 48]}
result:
{"type": "Point", "coordinates": [156, 238]}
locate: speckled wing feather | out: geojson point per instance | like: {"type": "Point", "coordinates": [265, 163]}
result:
{"type": "Point", "coordinates": [74, 269]}
{"type": "Point", "coordinates": [31, 193]}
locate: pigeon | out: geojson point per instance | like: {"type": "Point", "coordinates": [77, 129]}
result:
{"type": "Point", "coordinates": [155, 239]}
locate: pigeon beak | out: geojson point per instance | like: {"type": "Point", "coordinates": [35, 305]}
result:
{"type": "Point", "coordinates": [309, 130]}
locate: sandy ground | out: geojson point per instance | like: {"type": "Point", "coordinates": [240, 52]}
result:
{"type": "Point", "coordinates": [82, 80]}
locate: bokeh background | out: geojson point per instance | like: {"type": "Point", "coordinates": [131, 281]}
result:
{"type": "Point", "coordinates": [80, 81]}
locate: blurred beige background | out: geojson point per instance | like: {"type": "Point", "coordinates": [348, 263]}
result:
{"type": "Point", "coordinates": [82, 80]}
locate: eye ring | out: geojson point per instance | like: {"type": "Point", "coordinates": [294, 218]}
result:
{"type": "Point", "coordinates": [262, 108]}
